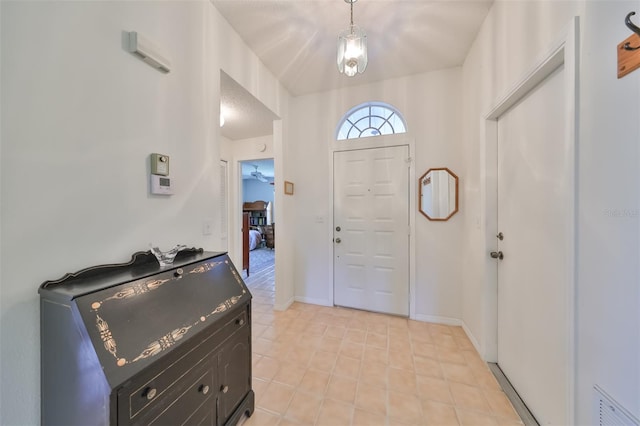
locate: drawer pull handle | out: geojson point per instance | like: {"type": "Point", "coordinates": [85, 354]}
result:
{"type": "Point", "coordinates": [240, 321]}
{"type": "Point", "coordinates": [204, 389]}
{"type": "Point", "coordinates": [224, 388]}
{"type": "Point", "coordinates": [151, 393]}
{"type": "Point", "coordinates": [178, 273]}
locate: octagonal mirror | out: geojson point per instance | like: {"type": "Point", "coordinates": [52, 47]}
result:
{"type": "Point", "coordinates": [438, 194]}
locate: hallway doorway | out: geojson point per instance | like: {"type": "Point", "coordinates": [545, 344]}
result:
{"type": "Point", "coordinates": [257, 193]}
{"type": "Point", "coordinates": [251, 133]}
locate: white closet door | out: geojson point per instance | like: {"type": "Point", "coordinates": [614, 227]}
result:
{"type": "Point", "coordinates": [533, 277]}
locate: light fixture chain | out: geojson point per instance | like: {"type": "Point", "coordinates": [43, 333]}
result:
{"type": "Point", "coordinates": [352, 12]}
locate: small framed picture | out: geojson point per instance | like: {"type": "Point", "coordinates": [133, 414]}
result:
{"type": "Point", "coordinates": [288, 187]}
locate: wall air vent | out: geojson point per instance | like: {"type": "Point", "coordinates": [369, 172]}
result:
{"type": "Point", "coordinates": [145, 50]}
{"type": "Point", "coordinates": [607, 412]}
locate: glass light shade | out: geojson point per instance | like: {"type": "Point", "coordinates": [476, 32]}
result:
{"type": "Point", "coordinates": [352, 51]}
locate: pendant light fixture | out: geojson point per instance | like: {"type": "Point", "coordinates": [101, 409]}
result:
{"type": "Point", "coordinates": [352, 48]}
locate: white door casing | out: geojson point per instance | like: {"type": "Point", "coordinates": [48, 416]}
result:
{"type": "Point", "coordinates": [371, 249]}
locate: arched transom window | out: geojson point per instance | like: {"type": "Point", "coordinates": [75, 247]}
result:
{"type": "Point", "coordinates": [370, 119]}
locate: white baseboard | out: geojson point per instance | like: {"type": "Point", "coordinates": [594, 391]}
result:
{"type": "Point", "coordinates": [313, 301]}
{"type": "Point", "coordinates": [437, 320]}
{"type": "Point", "coordinates": [472, 338]}
{"type": "Point", "coordinates": [284, 306]}
{"type": "Point", "coordinates": [451, 321]}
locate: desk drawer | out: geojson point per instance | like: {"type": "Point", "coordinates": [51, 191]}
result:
{"type": "Point", "coordinates": [187, 406]}
{"type": "Point", "coordinates": [192, 389]}
{"type": "Point", "coordinates": [153, 386]}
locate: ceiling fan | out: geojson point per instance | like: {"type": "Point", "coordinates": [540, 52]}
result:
{"type": "Point", "coordinates": [258, 175]}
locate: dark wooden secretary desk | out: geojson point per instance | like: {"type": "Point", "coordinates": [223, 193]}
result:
{"type": "Point", "coordinates": [140, 344]}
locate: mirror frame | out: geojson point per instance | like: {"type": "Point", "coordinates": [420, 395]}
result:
{"type": "Point", "coordinates": [455, 210]}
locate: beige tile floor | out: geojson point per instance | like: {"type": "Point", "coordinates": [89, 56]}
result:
{"type": "Point", "coordinates": [315, 365]}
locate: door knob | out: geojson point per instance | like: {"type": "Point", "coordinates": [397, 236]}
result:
{"type": "Point", "coordinates": [338, 228]}
{"type": "Point", "coordinates": [338, 240]}
{"type": "Point", "coordinates": [497, 255]}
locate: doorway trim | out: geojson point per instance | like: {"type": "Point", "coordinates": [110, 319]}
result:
{"type": "Point", "coordinates": [564, 52]}
{"type": "Point", "coordinates": [384, 141]}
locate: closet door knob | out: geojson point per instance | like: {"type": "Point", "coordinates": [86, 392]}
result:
{"type": "Point", "coordinates": [338, 240]}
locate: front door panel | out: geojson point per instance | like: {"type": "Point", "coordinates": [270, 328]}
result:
{"type": "Point", "coordinates": [371, 229]}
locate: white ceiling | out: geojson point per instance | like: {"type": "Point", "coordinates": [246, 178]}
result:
{"type": "Point", "coordinates": [296, 40]}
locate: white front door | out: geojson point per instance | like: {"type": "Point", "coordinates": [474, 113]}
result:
{"type": "Point", "coordinates": [371, 229]}
{"type": "Point", "coordinates": [533, 278]}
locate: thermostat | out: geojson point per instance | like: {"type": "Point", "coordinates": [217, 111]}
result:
{"type": "Point", "coordinates": [160, 164]}
{"type": "Point", "coordinates": [161, 185]}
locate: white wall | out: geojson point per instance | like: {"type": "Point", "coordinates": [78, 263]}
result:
{"type": "Point", "coordinates": [431, 105]}
{"type": "Point", "coordinates": [511, 41]}
{"type": "Point", "coordinates": [79, 118]}
{"type": "Point", "coordinates": [608, 302]}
